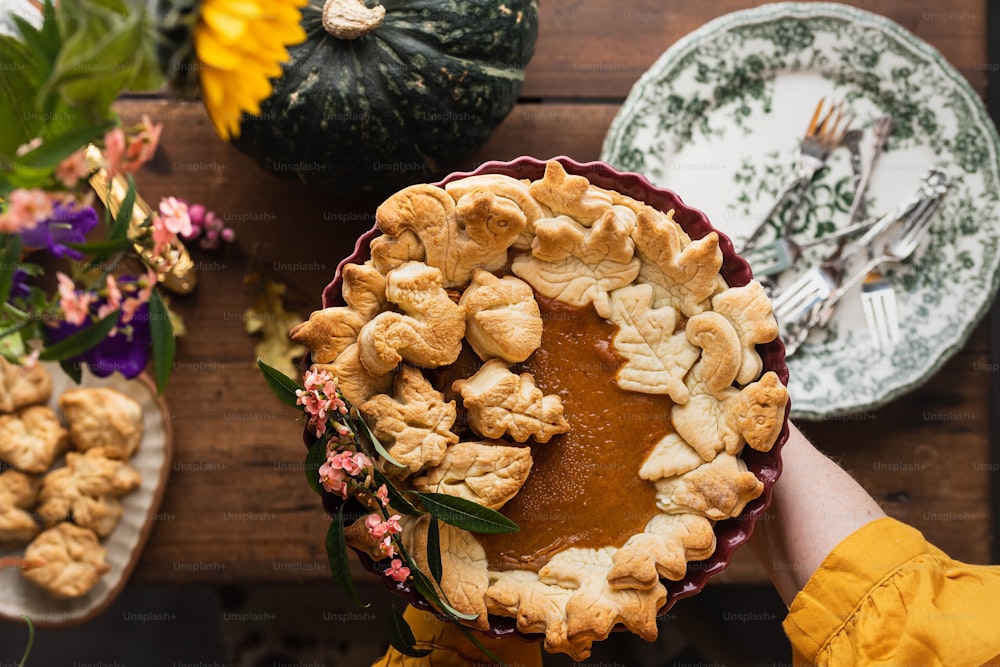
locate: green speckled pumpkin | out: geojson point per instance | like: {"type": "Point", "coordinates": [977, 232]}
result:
{"type": "Point", "coordinates": [383, 96]}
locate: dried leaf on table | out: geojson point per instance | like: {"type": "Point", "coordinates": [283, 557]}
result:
{"type": "Point", "coordinates": [269, 319]}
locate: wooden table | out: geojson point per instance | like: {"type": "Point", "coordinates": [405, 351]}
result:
{"type": "Point", "coordinates": [237, 508]}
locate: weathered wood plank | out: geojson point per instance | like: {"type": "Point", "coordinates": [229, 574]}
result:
{"type": "Point", "coordinates": [599, 48]}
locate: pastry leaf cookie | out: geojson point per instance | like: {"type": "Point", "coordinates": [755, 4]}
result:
{"type": "Point", "coordinates": [502, 317]}
{"type": "Point", "coordinates": [17, 495]}
{"type": "Point", "coordinates": [31, 439]}
{"type": "Point", "coordinates": [429, 330]}
{"type": "Point", "coordinates": [718, 490]}
{"type": "Point", "coordinates": [486, 473]}
{"type": "Point", "coordinates": [683, 273]}
{"type": "Point", "coordinates": [500, 402]}
{"type": "Point", "coordinates": [67, 561]}
{"type": "Point", "coordinates": [657, 359]}
{"type": "Point", "coordinates": [415, 423]}
{"type": "Point", "coordinates": [580, 266]}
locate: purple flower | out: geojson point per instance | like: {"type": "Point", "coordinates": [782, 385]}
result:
{"type": "Point", "coordinates": [68, 224]}
{"type": "Point", "coordinates": [19, 285]}
{"type": "Point", "coordinates": [127, 351]}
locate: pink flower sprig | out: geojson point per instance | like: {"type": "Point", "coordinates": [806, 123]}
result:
{"type": "Point", "coordinates": [209, 228]}
{"type": "Point", "coordinates": [125, 152]}
{"type": "Point", "coordinates": [345, 471]}
{"type": "Point", "coordinates": [321, 400]}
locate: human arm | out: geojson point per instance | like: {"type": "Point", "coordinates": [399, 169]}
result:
{"type": "Point", "coordinates": [802, 525]}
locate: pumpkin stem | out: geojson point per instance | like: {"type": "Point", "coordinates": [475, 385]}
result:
{"type": "Point", "coordinates": [350, 19]}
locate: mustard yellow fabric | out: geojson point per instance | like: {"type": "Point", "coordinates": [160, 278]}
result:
{"type": "Point", "coordinates": [450, 648]}
{"type": "Point", "coordinates": [885, 596]}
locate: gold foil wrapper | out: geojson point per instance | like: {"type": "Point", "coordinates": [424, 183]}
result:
{"type": "Point", "coordinates": [177, 274]}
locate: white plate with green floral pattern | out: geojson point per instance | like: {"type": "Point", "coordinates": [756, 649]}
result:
{"type": "Point", "coordinates": [718, 119]}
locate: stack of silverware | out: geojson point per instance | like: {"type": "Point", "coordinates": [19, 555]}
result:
{"type": "Point", "coordinates": [858, 248]}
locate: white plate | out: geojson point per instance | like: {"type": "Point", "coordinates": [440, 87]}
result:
{"type": "Point", "coordinates": [19, 597]}
{"type": "Point", "coordinates": [718, 119]}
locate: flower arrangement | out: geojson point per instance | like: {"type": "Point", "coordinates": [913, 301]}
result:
{"type": "Point", "coordinates": [345, 462]}
{"type": "Point", "coordinates": [63, 143]}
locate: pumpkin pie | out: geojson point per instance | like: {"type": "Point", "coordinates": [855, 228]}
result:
{"type": "Point", "coordinates": [571, 357]}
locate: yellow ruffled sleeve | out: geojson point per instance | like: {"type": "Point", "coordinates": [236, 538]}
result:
{"type": "Point", "coordinates": [450, 648]}
{"type": "Point", "coordinates": [885, 596]}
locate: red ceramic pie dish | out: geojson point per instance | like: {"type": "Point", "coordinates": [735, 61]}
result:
{"type": "Point", "coordinates": [766, 466]}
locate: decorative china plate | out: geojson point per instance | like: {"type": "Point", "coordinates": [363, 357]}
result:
{"type": "Point", "coordinates": [719, 117]}
{"type": "Point", "coordinates": [19, 597]}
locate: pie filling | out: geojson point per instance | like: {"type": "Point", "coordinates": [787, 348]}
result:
{"type": "Point", "coordinates": [582, 490]}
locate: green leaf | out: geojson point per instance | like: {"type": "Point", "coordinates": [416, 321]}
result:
{"type": "Point", "coordinates": [73, 369]}
{"type": "Point", "coordinates": [82, 340]}
{"type": "Point", "coordinates": [31, 641]}
{"type": "Point", "coordinates": [426, 588]}
{"type": "Point", "coordinates": [123, 218]}
{"type": "Point", "coordinates": [107, 247]}
{"type": "Point", "coordinates": [478, 644]}
{"type": "Point", "coordinates": [19, 82]}
{"type": "Point", "coordinates": [164, 344]}
{"type": "Point", "coordinates": [375, 442]}
{"type": "Point", "coordinates": [314, 459]}
{"type": "Point", "coordinates": [9, 257]}
{"type": "Point", "coordinates": [466, 514]}
{"type": "Point", "coordinates": [56, 149]}
{"type": "Point", "coordinates": [336, 551]}
{"type": "Point", "coordinates": [401, 636]}
{"type": "Point", "coordinates": [283, 386]}
{"type": "Point", "coordinates": [434, 549]}
{"type": "Point", "coordinates": [397, 500]}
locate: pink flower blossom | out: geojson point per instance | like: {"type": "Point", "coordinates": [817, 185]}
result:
{"type": "Point", "coordinates": [333, 479]}
{"type": "Point", "coordinates": [143, 146]}
{"type": "Point", "coordinates": [388, 548]}
{"type": "Point", "coordinates": [377, 529]}
{"type": "Point", "coordinates": [392, 525]}
{"type": "Point", "coordinates": [114, 151]}
{"type": "Point", "coordinates": [163, 238]}
{"type": "Point", "coordinates": [72, 169]}
{"type": "Point", "coordinates": [131, 304]}
{"type": "Point", "coordinates": [352, 463]}
{"type": "Point", "coordinates": [75, 306]}
{"type": "Point", "coordinates": [397, 571]}
{"type": "Point", "coordinates": [175, 216]}
{"type": "Point", "coordinates": [25, 210]}
{"type": "Point", "coordinates": [383, 495]}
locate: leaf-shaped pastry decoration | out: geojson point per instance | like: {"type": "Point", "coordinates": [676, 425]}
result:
{"type": "Point", "coordinates": [68, 559]}
{"type": "Point", "coordinates": [329, 331]}
{"type": "Point", "coordinates": [486, 473]}
{"type": "Point", "coordinates": [657, 357]}
{"type": "Point", "coordinates": [717, 490]}
{"type": "Point", "coordinates": [464, 574]}
{"type": "Point", "coordinates": [429, 330]}
{"type": "Point", "coordinates": [538, 607]}
{"type": "Point", "coordinates": [662, 550]}
{"type": "Point", "coordinates": [715, 421]}
{"type": "Point", "coordinates": [502, 317]}
{"type": "Point", "coordinates": [684, 273]}
{"type": "Point", "coordinates": [579, 266]}
{"type": "Point", "coordinates": [671, 456]}
{"type": "Point", "coordinates": [499, 402]}
{"type": "Point", "coordinates": [595, 606]}
{"type": "Point", "coordinates": [17, 495]}
{"type": "Point", "coordinates": [454, 236]}
{"type": "Point", "coordinates": [415, 423]}
{"type": "Point", "coordinates": [566, 194]}
{"type": "Point", "coordinates": [749, 311]}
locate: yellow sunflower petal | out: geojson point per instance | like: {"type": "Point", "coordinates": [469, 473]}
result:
{"type": "Point", "coordinates": [227, 27]}
{"type": "Point", "coordinates": [241, 45]}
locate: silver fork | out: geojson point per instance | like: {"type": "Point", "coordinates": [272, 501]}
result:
{"type": "Point", "coordinates": [878, 300]}
{"type": "Point", "coordinates": [822, 135]}
{"type": "Point", "coordinates": [809, 301]}
{"type": "Point", "coordinates": [779, 255]}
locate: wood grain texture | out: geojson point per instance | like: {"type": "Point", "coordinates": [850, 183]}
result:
{"type": "Point", "coordinates": [598, 48]}
{"type": "Point", "coordinates": [237, 508]}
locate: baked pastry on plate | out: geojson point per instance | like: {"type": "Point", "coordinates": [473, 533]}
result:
{"type": "Point", "coordinates": [584, 354]}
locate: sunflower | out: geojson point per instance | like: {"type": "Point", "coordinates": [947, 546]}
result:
{"type": "Point", "coordinates": [240, 45]}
